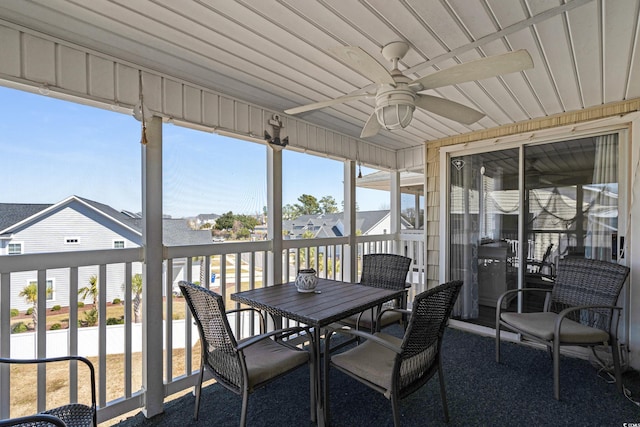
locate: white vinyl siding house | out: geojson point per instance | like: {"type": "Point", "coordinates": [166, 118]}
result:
{"type": "Point", "coordinates": [78, 224]}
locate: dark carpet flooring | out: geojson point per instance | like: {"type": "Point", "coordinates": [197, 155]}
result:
{"type": "Point", "coordinates": [480, 392]}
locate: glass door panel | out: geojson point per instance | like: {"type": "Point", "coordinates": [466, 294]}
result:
{"type": "Point", "coordinates": [484, 207]}
{"type": "Point", "coordinates": [571, 200]}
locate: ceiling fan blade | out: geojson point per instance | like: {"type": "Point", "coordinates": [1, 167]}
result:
{"type": "Point", "coordinates": [477, 70]}
{"type": "Point", "coordinates": [364, 63]}
{"type": "Point", "coordinates": [372, 127]}
{"type": "Point", "coordinates": [449, 109]}
{"type": "Point", "coordinates": [328, 103]}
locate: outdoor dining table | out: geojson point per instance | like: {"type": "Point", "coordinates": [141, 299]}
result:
{"type": "Point", "coordinates": [332, 301]}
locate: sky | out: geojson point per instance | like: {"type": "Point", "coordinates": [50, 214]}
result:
{"type": "Point", "coordinates": [52, 149]}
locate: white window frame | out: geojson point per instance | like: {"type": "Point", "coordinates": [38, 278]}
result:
{"type": "Point", "coordinates": [15, 243]}
{"type": "Point", "coordinates": [124, 244]}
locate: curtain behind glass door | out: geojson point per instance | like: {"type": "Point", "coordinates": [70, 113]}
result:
{"type": "Point", "coordinates": [483, 220]}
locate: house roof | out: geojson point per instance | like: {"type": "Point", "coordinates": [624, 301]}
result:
{"type": "Point", "coordinates": [13, 213]}
{"type": "Point", "coordinates": [328, 225]}
{"type": "Point", "coordinates": [175, 231]}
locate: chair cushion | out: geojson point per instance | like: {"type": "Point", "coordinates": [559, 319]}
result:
{"type": "Point", "coordinates": [268, 359]}
{"type": "Point", "coordinates": [542, 325]}
{"type": "Point", "coordinates": [370, 361]}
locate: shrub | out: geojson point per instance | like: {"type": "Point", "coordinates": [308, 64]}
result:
{"type": "Point", "coordinates": [115, 320]}
{"type": "Point", "coordinates": [15, 312]}
{"type": "Point", "coordinates": [91, 317]}
{"type": "Point", "coordinates": [80, 304]}
{"type": "Point", "coordinates": [55, 326]}
{"type": "Point", "coordinates": [19, 327]}
{"type": "Point", "coordinates": [117, 301]}
{"type": "Point", "coordinates": [29, 311]}
{"type": "Point", "coordinates": [56, 308]}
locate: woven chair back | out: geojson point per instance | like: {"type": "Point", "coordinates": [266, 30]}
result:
{"type": "Point", "coordinates": [216, 339]}
{"type": "Point", "coordinates": [582, 281]}
{"type": "Point", "coordinates": [387, 271]}
{"type": "Point", "coordinates": [423, 337]}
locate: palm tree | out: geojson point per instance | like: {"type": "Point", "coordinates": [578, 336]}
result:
{"type": "Point", "coordinates": [30, 294]}
{"type": "Point", "coordinates": [91, 290]}
{"type": "Point", "coordinates": [136, 288]}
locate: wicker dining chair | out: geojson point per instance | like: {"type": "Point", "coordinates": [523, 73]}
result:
{"type": "Point", "coordinates": [387, 271]}
{"type": "Point", "coordinates": [397, 367]}
{"type": "Point", "coordinates": [38, 420]}
{"type": "Point", "coordinates": [72, 414]}
{"type": "Point", "coordinates": [580, 312]}
{"type": "Point", "coordinates": [241, 366]}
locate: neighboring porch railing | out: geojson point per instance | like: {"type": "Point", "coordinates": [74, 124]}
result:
{"type": "Point", "coordinates": [232, 266]}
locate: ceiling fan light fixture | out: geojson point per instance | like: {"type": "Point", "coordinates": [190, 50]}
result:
{"type": "Point", "coordinates": [396, 116]}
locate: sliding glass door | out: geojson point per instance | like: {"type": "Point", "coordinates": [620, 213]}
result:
{"type": "Point", "coordinates": [511, 220]}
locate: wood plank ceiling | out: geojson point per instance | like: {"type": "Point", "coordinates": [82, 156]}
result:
{"type": "Point", "coordinates": [273, 53]}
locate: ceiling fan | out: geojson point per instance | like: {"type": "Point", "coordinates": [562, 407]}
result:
{"type": "Point", "coordinates": [397, 95]}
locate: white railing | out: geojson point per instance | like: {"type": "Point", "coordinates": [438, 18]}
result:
{"type": "Point", "coordinates": [236, 265]}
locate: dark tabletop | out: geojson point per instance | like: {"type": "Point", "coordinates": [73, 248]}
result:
{"type": "Point", "coordinates": [335, 301]}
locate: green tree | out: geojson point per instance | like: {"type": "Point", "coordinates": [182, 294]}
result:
{"type": "Point", "coordinates": [308, 205]}
{"type": "Point", "coordinates": [136, 289]}
{"type": "Point", "coordinates": [225, 221]}
{"type": "Point", "coordinates": [30, 294]}
{"type": "Point", "coordinates": [328, 205]}
{"type": "Point", "coordinates": [290, 212]}
{"type": "Point", "coordinates": [91, 290]}
{"type": "Point", "coordinates": [249, 222]}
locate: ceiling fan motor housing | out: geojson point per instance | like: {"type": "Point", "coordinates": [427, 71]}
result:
{"type": "Point", "coordinates": [394, 106]}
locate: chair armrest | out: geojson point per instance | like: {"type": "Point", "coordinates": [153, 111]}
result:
{"type": "Point", "coordinates": [92, 372]}
{"type": "Point", "coordinates": [263, 320]}
{"type": "Point", "coordinates": [356, 333]}
{"type": "Point", "coordinates": [31, 419]}
{"type": "Point", "coordinates": [513, 291]}
{"type": "Point", "coordinates": [284, 331]}
{"type": "Point", "coordinates": [563, 314]}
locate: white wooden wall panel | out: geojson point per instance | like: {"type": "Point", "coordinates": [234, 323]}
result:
{"type": "Point", "coordinates": [39, 60]}
{"type": "Point", "coordinates": [210, 109]}
{"type": "Point", "coordinates": [192, 105]}
{"type": "Point", "coordinates": [226, 113]}
{"type": "Point", "coordinates": [242, 118]}
{"type": "Point", "coordinates": [73, 73]}
{"type": "Point", "coordinates": [127, 79]}
{"type": "Point", "coordinates": [101, 77]}
{"type": "Point", "coordinates": [152, 91]}
{"type": "Point", "coordinates": [10, 63]}
{"type": "Point", "coordinates": [410, 158]}
{"type": "Point", "coordinates": [257, 120]}
{"type": "Point", "coordinates": [172, 99]}
{"type": "Point", "coordinates": [71, 69]}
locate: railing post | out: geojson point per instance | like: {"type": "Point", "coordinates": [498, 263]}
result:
{"type": "Point", "coordinates": [152, 381]}
{"type": "Point", "coordinates": [350, 255]}
{"type": "Point", "coordinates": [274, 207]}
{"type": "Point", "coordinates": [394, 212]}
{"type": "Point", "coordinates": [5, 342]}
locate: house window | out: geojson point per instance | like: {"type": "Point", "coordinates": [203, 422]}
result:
{"type": "Point", "coordinates": [118, 244]}
{"type": "Point", "coordinates": [71, 241]}
{"type": "Point", "coordinates": [50, 290]}
{"type": "Point", "coordinates": [14, 248]}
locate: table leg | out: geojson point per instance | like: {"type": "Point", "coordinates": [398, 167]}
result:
{"type": "Point", "coordinates": [318, 379]}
